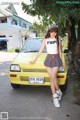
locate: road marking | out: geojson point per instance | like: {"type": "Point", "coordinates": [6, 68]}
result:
{"type": "Point", "coordinates": [3, 73]}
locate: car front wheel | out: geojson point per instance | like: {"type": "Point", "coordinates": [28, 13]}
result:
{"type": "Point", "coordinates": [15, 86]}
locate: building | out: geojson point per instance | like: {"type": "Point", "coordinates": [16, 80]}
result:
{"type": "Point", "coordinates": [13, 28]}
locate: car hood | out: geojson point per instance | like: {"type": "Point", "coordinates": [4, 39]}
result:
{"type": "Point", "coordinates": [24, 58]}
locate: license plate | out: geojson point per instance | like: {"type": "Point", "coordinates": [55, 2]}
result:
{"type": "Point", "coordinates": [36, 80]}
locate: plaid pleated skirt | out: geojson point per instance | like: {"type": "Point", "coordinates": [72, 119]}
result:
{"type": "Point", "coordinates": [53, 60]}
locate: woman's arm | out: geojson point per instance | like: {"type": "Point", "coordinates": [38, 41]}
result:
{"type": "Point", "coordinates": [40, 51]}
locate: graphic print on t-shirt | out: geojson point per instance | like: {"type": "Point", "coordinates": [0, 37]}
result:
{"type": "Point", "coordinates": [51, 42]}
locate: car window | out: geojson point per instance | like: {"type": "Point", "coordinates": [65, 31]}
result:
{"type": "Point", "coordinates": [32, 45]}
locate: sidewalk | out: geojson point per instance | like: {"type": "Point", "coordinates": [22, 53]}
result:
{"type": "Point", "coordinates": [6, 56]}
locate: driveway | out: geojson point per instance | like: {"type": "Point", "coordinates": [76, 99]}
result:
{"type": "Point", "coordinates": [33, 103]}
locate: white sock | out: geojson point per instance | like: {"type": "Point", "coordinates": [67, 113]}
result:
{"type": "Point", "coordinates": [58, 91]}
{"type": "Point", "coordinates": [55, 95]}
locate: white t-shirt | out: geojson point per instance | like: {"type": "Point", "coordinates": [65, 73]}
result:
{"type": "Point", "coordinates": [51, 46]}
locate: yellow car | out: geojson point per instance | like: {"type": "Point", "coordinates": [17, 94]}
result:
{"type": "Point", "coordinates": [23, 73]}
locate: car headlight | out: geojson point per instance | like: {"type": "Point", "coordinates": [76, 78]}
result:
{"type": "Point", "coordinates": [61, 69]}
{"type": "Point", "coordinates": [15, 68]}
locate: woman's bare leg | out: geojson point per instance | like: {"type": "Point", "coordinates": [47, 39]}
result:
{"type": "Point", "coordinates": [53, 78]}
{"type": "Point", "coordinates": [54, 84]}
{"type": "Point", "coordinates": [49, 70]}
{"type": "Point", "coordinates": [54, 72]}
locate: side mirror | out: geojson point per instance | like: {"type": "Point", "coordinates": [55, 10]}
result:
{"type": "Point", "coordinates": [66, 51]}
{"type": "Point", "coordinates": [17, 50]}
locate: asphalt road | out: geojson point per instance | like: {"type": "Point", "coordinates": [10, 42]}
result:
{"type": "Point", "coordinates": [34, 103]}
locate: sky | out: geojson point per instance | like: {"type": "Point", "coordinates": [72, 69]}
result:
{"type": "Point", "coordinates": [21, 13]}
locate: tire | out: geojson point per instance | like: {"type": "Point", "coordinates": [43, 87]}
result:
{"type": "Point", "coordinates": [15, 86]}
{"type": "Point", "coordinates": [64, 87]}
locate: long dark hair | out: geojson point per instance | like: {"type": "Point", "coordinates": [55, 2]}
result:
{"type": "Point", "coordinates": [53, 29]}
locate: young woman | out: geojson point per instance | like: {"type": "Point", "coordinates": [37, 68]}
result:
{"type": "Point", "coordinates": [52, 62]}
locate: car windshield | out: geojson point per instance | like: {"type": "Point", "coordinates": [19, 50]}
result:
{"type": "Point", "coordinates": [32, 45]}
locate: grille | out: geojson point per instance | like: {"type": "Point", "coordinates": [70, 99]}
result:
{"type": "Point", "coordinates": [34, 70]}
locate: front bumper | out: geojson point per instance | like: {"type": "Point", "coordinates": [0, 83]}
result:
{"type": "Point", "coordinates": [22, 78]}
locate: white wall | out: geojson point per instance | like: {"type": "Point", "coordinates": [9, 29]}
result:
{"type": "Point", "coordinates": [15, 41]}
{"type": "Point", "coordinates": [12, 34]}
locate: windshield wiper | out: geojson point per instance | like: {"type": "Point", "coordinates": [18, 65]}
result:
{"type": "Point", "coordinates": [29, 51]}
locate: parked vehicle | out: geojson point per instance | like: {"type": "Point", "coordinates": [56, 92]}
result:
{"type": "Point", "coordinates": [23, 73]}
{"type": "Point", "coordinates": [3, 44]}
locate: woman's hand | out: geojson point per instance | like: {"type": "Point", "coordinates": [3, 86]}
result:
{"type": "Point", "coordinates": [32, 62]}
{"type": "Point", "coordinates": [64, 64]}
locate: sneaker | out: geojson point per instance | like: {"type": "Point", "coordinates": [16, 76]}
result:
{"type": "Point", "coordinates": [59, 93]}
{"type": "Point", "coordinates": [56, 100]}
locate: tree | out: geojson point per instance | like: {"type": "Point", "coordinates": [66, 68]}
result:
{"type": "Point", "coordinates": [65, 14]}
{"type": "Point", "coordinates": [40, 28]}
